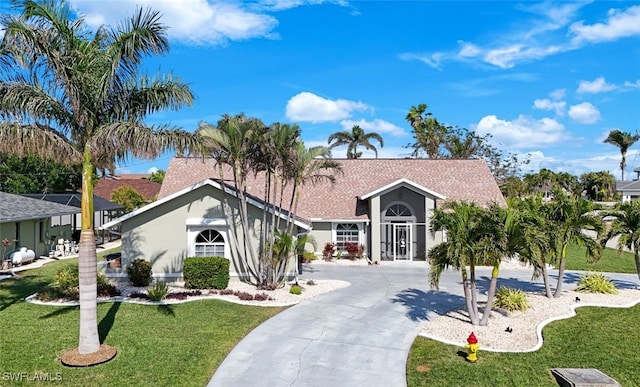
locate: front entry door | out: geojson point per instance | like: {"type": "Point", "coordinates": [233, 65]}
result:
{"type": "Point", "coordinates": [402, 241]}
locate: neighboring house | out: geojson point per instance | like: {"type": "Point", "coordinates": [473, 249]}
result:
{"type": "Point", "coordinates": [104, 211]}
{"type": "Point", "coordinates": [147, 189]}
{"type": "Point", "coordinates": [383, 204]}
{"type": "Point", "coordinates": [628, 189]}
{"type": "Point", "coordinates": [35, 224]}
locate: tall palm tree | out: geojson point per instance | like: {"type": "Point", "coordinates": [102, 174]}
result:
{"type": "Point", "coordinates": [626, 226]}
{"type": "Point", "coordinates": [571, 217]}
{"type": "Point", "coordinates": [235, 141]}
{"type": "Point", "coordinates": [357, 137]}
{"type": "Point", "coordinates": [430, 136]}
{"type": "Point", "coordinates": [623, 140]}
{"type": "Point", "coordinates": [76, 96]}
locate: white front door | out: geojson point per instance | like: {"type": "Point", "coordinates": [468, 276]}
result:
{"type": "Point", "coordinates": [402, 241]}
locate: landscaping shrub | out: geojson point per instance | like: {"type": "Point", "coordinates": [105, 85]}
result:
{"type": "Point", "coordinates": [139, 272]}
{"type": "Point", "coordinates": [596, 283]}
{"type": "Point", "coordinates": [66, 286]}
{"type": "Point", "coordinates": [206, 272]}
{"type": "Point", "coordinates": [158, 291]}
{"type": "Point", "coordinates": [353, 250]}
{"type": "Point", "coordinates": [262, 297]}
{"type": "Point", "coordinates": [511, 299]}
{"type": "Point", "coordinates": [244, 296]}
{"type": "Point", "coordinates": [328, 251]}
{"type": "Point", "coordinates": [295, 289]}
{"type": "Point", "coordinates": [226, 292]}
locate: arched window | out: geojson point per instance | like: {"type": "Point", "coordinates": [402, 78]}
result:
{"type": "Point", "coordinates": [347, 233]}
{"type": "Point", "coordinates": [398, 210]}
{"type": "Point", "coordinates": [209, 243]}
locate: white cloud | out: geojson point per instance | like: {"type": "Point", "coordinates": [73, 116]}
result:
{"type": "Point", "coordinates": [547, 104]}
{"type": "Point", "coordinates": [308, 107]}
{"type": "Point", "coordinates": [432, 60]}
{"type": "Point", "coordinates": [585, 113]}
{"type": "Point", "coordinates": [523, 132]}
{"type": "Point", "coordinates": [152, 170]}
{"type": "Point", "coordinates": [635, 84]}
{"type": "Point", "coordinates": [619, 24]}
{"type": "Point", "coordinates": [557, 94]}
{"type": "Point", "coordinates": [279, 5]}
{"type": "Point", "coordinates": [377, 125]}
{"type": "Point", "coordinates": [189, 21]}
{"type": "Point", "coordinates": [598, 85]}
{"type": "Point", "coordinates": [468, 50]}
{"type": "Point", "coordinates": [508, 56]}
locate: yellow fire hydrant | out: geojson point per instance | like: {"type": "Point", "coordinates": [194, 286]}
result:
{"type": "Point", "coordinates": [472, 348]}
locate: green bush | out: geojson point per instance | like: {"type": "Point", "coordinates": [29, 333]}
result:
{"type": "Point", "coordinates": [206, 272]}
{"type": "Point", "coordinates": [511, 299]}
{"type": "Point", "coordinates": [139, 272]}
{"type": "Point", "coordinates": [66, 285]}
{"type": "Point", "coordinates": [295, 289]}
{"type": "Point", "coordinates": [158, 291]}
{"type": "Point", "coordinates": [596, 283]}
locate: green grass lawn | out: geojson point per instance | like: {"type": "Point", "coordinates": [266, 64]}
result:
{"type": "Point", "coordinates": [179, 344]}
{"type": "Point", "coordinates": [602, 338]}
{"type": "Point", "coordinates": [609, 262]}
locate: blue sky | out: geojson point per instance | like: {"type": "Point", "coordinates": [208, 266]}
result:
{"type": "Point", "coordinates": [549, 79]}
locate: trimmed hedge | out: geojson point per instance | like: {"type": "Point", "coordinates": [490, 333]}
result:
{"type": "Point", "coordinates": [206, 272]}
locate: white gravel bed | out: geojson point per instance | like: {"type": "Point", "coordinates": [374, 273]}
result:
{"type": "Point", "coordinates": [279, 297]}
{"type": "Point", "coordinates": [454, 326]}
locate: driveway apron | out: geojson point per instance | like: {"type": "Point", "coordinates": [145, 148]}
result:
{"type": "Point", "coordinates": [355, 336]}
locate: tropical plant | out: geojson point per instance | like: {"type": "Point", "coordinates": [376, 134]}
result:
{"type": "Point", "coordinates": [475, 236]}
{"type": "Point", "coordinates": [572, 217]}
{"type": "Point", "coordinates": [78, 97]}
{"type": "Point", "coordinates": [625, 225]}
{"type": "Point", "coordinates": [428, 133]}
{"type": "Point", "coordinates": [357, 137]}
{"type": "Point", "coordinates": [158, 291]}
{"type": "Point", "coordinates": [295, 289]}
{"type": "Point", "coordinates": [596, 283]}
{"type": "Point", "coordinates": [599, 186]}
{"type": "Point", "coordinates": [622, 140]}
{"type": "Point", "coordinates": [34, 174]}
{"type": "Point", "coordinates": [328, 251]}
{"type": "Point", "coordinates": [511, 299]}
{"type": "Point", "coordinates": [157, 176]}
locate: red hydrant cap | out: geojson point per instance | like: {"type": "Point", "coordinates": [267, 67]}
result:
{"type": "Point", "coordinates": [472, 339]}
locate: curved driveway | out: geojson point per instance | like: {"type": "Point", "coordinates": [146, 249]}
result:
{"type": "Point", "coordinates": [355, 336]}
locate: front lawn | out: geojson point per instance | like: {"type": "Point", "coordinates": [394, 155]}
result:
{"type": "Point", "coordinates": [609, 262]}
{"type": "Point", "coordinates": [180, 344]}
{"type": "Point", "coordinates": [602, 338]}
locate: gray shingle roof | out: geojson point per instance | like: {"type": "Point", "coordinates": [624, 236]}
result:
{"type": "Point", "coordinates": [14, 208]}
{"type": "Point", "coordinates": [457, 180]}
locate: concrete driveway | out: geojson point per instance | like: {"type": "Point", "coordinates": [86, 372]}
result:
{"type": "Point", "coordinates": [355, 336]}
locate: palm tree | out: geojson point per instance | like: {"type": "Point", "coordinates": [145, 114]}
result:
{"type": "Point", "coordinates": [475, 236]}
{"type": "Point", "coordinates": [235, 141]}
{"type": "Point", "coordinates": [430, 136]}
{"type": "Point", "coordinates": [626, 226]}
{"type": "Point", "coordinates": [357, 137]}
{"type": "Point", "coordinates": [571, 217]}
{"type": "Point", "coordinates": [78, 97]}
{"type": "Point", "coordinates": [623, 141]}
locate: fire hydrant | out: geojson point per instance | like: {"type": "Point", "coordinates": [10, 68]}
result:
{"type": "Point", "coordinates": [472, 348]}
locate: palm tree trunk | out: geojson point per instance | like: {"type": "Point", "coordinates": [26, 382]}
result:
{"type": "Point", "coordinates": [473, 288]}
{"type": "Point", "coordinates": [490, 295]}
{"type": "Point", "coordinates": [473, 313]}
{"type": "Point", "coordinates": [89, 340]}
{"type": "Point", "coordinates": [636, 256]}
{"type": "Point", "coordinates": [545, 279]}
{"type": "Point", "coordinates": [563, 255]}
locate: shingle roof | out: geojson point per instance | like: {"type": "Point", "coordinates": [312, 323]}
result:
{"type": "Point", "coordinates": [148, 189]}
{"type": "Point", "coordinates": [14, 208]}
{"type": "Point", "coordinates": [75, 200]}
{"type": "Point", "coordinates": [457, 180]}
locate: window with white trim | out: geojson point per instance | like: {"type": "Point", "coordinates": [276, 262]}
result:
{"type": "Point", "coordinates": [209, 243]}
{"type": "Point", "coordinates": [347, 233]}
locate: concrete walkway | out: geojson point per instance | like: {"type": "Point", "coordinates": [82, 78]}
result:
{"type": "Point", "coordinates": [359, 335]}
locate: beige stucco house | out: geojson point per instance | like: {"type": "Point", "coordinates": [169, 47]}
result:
{"type": "Point", "coordinates": [384, 204]}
